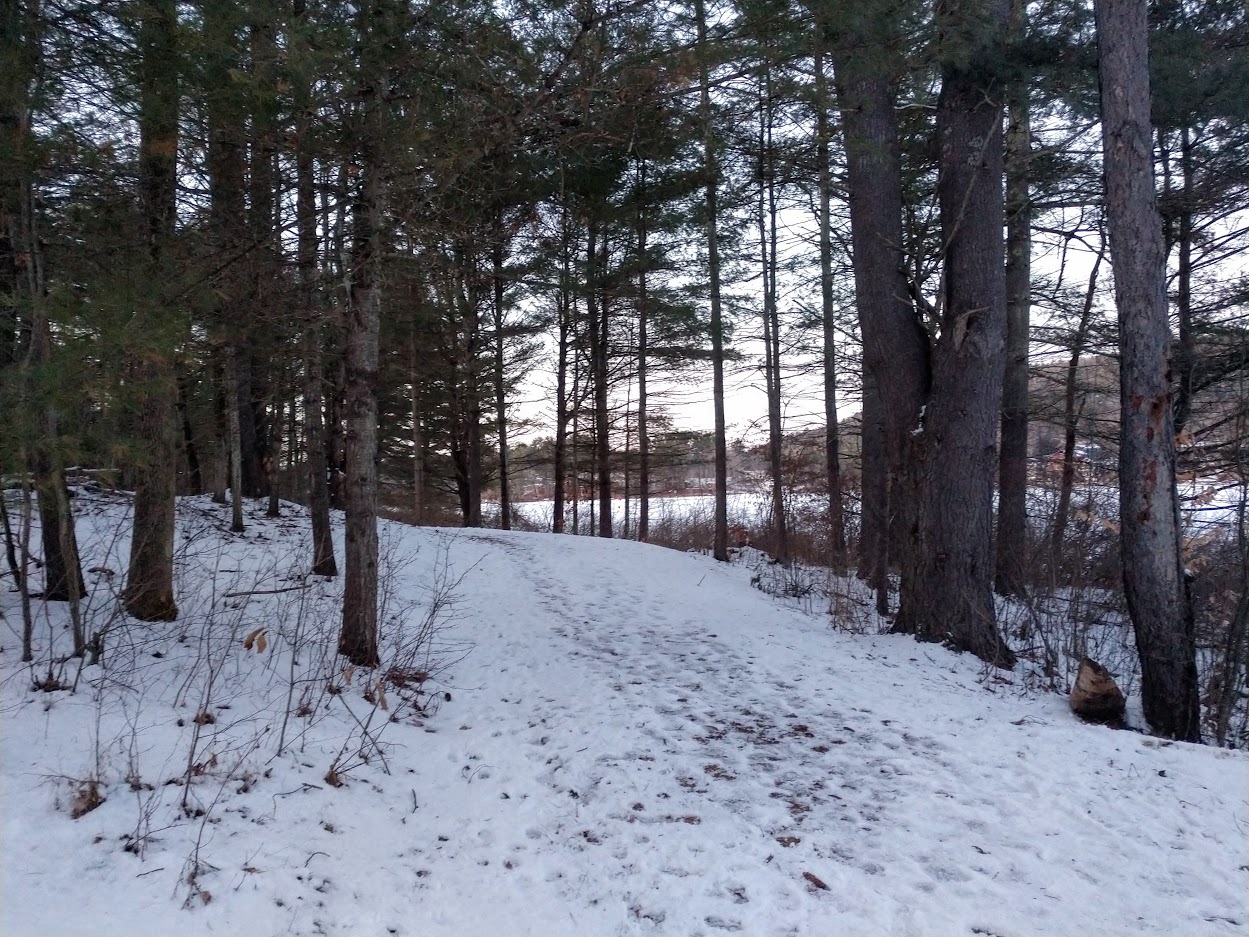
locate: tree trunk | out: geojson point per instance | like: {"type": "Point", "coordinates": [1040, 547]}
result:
{"type": "Point", "coordinates": [596, 315]}
{"type": "Point", "coordinates": [874, 488]}
{"type": "Point", "coordinates": [227, 223]}
{"type": "Point", "coordinates": [323, 562]}
{"type": "Point", "coordinates": [27, 289]}
{"type": "Point", "coordinates": [262, 375]}
{"type": "Point", "coordinates": [221, 429]}
{"type": "Point", "coordinates": [249, 419]}
{"type": "Point", "coordinates": [418, 437]}
{"type": "Point", "coordinates": [771, 319]}
{"type": "Point", "coordinates": [1012, 551]}
{"type": "Point", "coordinates": [895, 344]}
{"type": "Point", "coordinates": [335, 409]}
{"type": "Point", "coordinates": [62, 569]}
{"type": "Point", "coordinates": [188, 437]}
{"type": "Point", "coordinates": [644, 444]}
{"type": "Point", "coordinates": [235, 443]}
{"type": "Point", "coordinates": [23, 577]}
{"type": "Point", "coordinates": [950, 596]}
{"type": "Point", "coordinates": [148, 594]}
{"type": "Point", "coordinates": [468, 406]}
{"type": "Point", "coordinates": [358, 641]}
{"type": "Point", "coordinates": [832, 439]}
{"type": "Point", "coordinates": [335, 392]}
{"type": "Point", "coordinates": [575, 447]}
{"type": "Point", "coordinates": [1149, 516]}
{"type": "Point", "coordinates": [500, 386]}
{"type": "Point", "coordinates": [560, 455]}
{"type": "Point", "coordinates": [475, 446]}
{"type": "Point", "coordinates": [711, 180]}
{"type": "Point", "coordinates": [273, 459]}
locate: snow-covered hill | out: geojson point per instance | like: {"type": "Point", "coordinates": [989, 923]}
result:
{"type": "Point", "coordinates": [598, 738]}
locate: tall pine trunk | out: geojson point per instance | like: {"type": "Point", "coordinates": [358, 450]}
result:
{"type": "Point", "coordinates": [189, 445]}
{"type": "Point", "coordinates": [235, 442]}
{"type": "Point", "coordinates": [358, 640]}
{"type": "Point", "coordinates": [500, 384]}
{"type": "Point", "coordinates": [711, 181]}
{"type": "Point", "coordinates": [563, 301]}
{"type": "Point", "coordinates": [895, 344]}
{"type": "Point", "coordinates": [148, 594]}
{"type": "Point", "coordinates": [832, 440]}
{"type": "Point", "coordinates": [596, 314]}
{"type": "Point", "coordinates": [950, 596]}
{"type": "Point", "coordinates": [1149, 514]}
{"type": "Point", "coordinates": [771, 318]}
{"type": "Point", "coordinates": [323, 562]}
{"type": "Point", "coordinates": [1012, 551]}
{"type": "Point", "coordinates": [418, 435]}
{"type": "Point", "coordinates": [644, 452]}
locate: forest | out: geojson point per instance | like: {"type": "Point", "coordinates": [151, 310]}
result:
{"type": "Point", "coordinates": [329, 253]}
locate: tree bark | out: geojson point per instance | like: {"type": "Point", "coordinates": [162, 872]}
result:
{"type": "Point", "coordinates": [711, 181]}
{"type": "Point", "coordinates": [221, 428]}
{"type": "Point", "coordinates": [874, 489]}
{"type": "Point", "coordinates": [644, 458]}
{"type": "Point", "coordinates": [323, 562]}
{"type": "Point", "coordinates": [1012, 550]}
{"type": "Point", "coordinates": [188, 437]}
{"type": "Point", "coordinates": [500, 385]}
{"type": "Point", "coordinates": [148, 594]}
{"type": "Point", "coordinates": [895, 344]}
{"type": "Point", "coordinates": [235, 443]}
{"type": "Point", "coordinates": [273, 457]}
{"type": "Point", "coordinates": [597, 317]}
{"type": "Point", "coordinates": [771, 318]}
{"type": "Point", "coordinates": [832, 438]}
{"type": "Point", "coordinates": [358, 641]}
{"type": "Point", "coordinates": [418, 436]}
{"type": "Point", "coordinates": [564, 302]}
{"type": "Point", "coordinates": [1149, 515]}
{"type": "Point", "coordinates": [950, 596]}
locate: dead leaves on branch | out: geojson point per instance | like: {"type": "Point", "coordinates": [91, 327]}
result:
{"type": "Point", "coordinates": [256, 639]}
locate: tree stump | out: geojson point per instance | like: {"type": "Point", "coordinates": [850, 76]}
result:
{"type": "Point", "coordinates": [1096, 697]}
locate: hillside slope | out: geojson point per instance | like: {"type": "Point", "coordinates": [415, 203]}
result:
{"type": "Point", "coordinates": [636, 742]}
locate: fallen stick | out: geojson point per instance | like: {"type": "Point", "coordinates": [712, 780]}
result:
{"type": "Point", "coordinates": [239, 595]}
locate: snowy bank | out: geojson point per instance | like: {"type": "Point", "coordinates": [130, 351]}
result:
{"type": "Point", "coordinates": [598, 737]}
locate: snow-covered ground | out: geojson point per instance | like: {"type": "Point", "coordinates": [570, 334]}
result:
{"type": "Point", "coordinates": [613, 738]}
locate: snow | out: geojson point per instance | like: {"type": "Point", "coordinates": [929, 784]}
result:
{"type": "Point", "coordinates": [636, 741]}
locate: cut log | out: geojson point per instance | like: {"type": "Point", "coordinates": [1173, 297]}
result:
{"type": "Point", "coordinates": [1096, 697]}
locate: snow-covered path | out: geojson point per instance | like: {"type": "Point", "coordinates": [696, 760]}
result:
{"type": "Point", "coordinates": [642, 743]}
{"type": "Point", "coordinates": [695, 751]}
